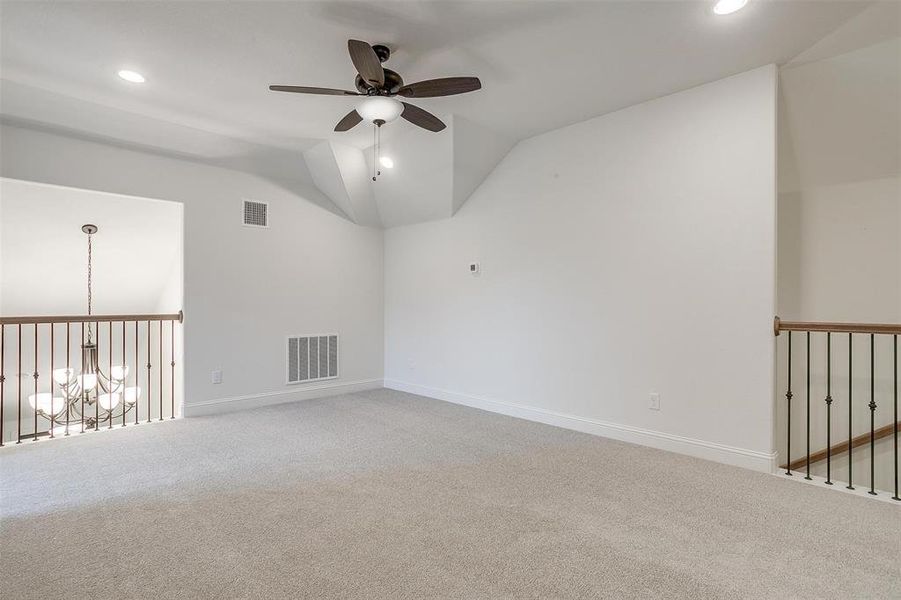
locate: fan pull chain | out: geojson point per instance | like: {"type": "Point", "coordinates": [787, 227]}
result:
{"type": "Point", "coordinates": [376, 148]}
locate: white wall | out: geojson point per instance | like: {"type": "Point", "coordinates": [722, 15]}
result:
{"type": "Point", "coordinates": [839, 239]}
{"type": "Point", "coordinates": [245, 289]}
{"type": "Point", "coordinates": [137, 252]}
{"type": "Point", "coordinates": [840, 187]}
{"type": "Point", "coordinates": [631, 253]}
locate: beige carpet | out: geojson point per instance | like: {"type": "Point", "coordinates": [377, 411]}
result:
{"type": "Point", "coordinates": [389, 495]}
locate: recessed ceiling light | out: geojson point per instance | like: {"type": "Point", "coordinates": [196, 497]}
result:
{"type": "Point", "coordinates": [131, 76]}
{"type": "Point", "coordinates": [387, 162]}
{"type": "Point", "coordinates": [727, 7]}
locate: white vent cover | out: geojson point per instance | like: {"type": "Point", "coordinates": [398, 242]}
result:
{"type": "Point", "coordinates": [312, 358]}
{"type": "Point", "coordinates": [256, 214]}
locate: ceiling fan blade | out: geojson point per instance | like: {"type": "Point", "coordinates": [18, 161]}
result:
{"type": "Point", "coordinates": [448, 86]}
{"type": "Point", "coordinates": [299, 89]}
{"type": "Point", "coordinates": [366, 62]}
{"type": "Point", "coordinates": [422, 118]}
{"type": "Point", "coordinates": [349, 121]}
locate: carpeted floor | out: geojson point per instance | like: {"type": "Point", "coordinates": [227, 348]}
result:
{"type": "Point", "coordinates": [388, 495]}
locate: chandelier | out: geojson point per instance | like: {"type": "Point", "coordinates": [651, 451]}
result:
{"type": "Point", "coordinates": [107, 395]}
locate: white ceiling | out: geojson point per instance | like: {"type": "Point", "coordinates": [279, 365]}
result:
{"type": "Point", "coordinates": [543, 64]}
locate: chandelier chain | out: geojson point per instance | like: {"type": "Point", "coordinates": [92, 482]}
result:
{"type": "Point", "coordinates": [90, 293]}
{"type": "Point", "coordinates": [89, 275]}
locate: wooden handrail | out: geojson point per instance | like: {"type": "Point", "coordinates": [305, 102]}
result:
{"type": "Point", "coordinates": [861, 440]}
{"type": "Point", "coordinates": [179, 316]}
{"type": "Point", "coordinates": [885, 328]}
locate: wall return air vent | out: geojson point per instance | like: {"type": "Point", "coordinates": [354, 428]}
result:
{"type": "Point", "coordinates": [256, 214]}
{"type": "Point", "coordinates": [312, 358]}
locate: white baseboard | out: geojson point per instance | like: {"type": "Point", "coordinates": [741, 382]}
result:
{"type": "Point", "coordinates": [740, 457]}
{"type": "Point", "coordinates": [334, 388]}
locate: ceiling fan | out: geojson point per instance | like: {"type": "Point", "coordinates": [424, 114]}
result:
{"type": "Point", "coordinates": [379, 85]}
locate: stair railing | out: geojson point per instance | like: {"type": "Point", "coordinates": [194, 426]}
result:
{"type": "Point", "coordinates": [872, 330]}
{"type": "Point", "coordinates": [88, 372]}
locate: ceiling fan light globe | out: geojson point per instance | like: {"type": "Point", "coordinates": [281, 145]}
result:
{"type": "Point", "coordinates": [375, 108]}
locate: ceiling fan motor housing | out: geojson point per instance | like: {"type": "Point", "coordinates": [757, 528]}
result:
{"type": "Point", "coordinates": [393, 82]}
{"type": "Point", "coordinates": [382, 51]}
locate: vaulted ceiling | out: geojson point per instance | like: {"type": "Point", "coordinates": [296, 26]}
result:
{"type": "Point", "coordinates": [543, 65]}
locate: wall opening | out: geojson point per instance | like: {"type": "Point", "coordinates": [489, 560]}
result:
{"type": "Point", "coordinates": [136, 269]}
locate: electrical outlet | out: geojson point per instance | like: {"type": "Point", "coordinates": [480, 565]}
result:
{"type": "Point", "coordinates": [216, 376]}
{"type": "Point", "coordinates": [411, 364]}
{"type": "Point", "coordinates": [475, 268]}
{"type": "Point", "coordinates": [654, 401]}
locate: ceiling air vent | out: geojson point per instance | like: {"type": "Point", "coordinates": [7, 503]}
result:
{"type": "Point", "coordinates": [312, 358]}
{"type": "Point", "coordinates": [256, 214]}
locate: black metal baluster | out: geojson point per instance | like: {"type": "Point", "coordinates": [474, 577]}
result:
{"type": "Point", "coordinates": [124, 383]}
{"type": "Point", "coordinates": [35, 375]}
{"type": "Point", "coordinates": [52, 407]}
{"type": "Point", "coordinates": [19, 393]}
{"type": "Point", "coordinates": [137, 375]}
{"type": "Point", "coordinates": [66, 399]}
{"type": "Point", "coordinates": [2, 375]}
{"type": "Point", "coordinates": [872, 415]}
{"type": "Point", "coordinates": [808, 477]}
{"type": "Point", "coordinates": [161, 369]}
{"type": "Point", "coordinates": [850, 485]}
{"type": "Point", "coordinates": [172, 363]}
{"type": "Point", "coordinates": [788, 408]}
{"type": "Point", "coordinates": [828, 408]}
{"type": "Point", "coordinates": [149, 394]}
{"type": "Point", "coordinates": [895, 420]}
{"type": "Point", "coordinates": [110, 375]}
